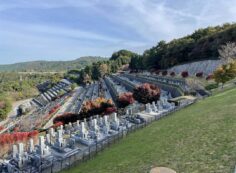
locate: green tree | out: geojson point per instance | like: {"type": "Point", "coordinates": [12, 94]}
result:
{"type": "Point", "coordinates": [225, 73]}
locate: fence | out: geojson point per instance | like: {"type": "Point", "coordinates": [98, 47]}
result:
{"type": "Point", "coordinates": [91, 151]}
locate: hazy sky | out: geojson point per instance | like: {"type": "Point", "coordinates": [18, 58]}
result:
{"type": "Point", "coordinates": [67, 29]}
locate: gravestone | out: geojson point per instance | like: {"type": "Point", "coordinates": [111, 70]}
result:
{"type": "Point", "coordinates": [148, 108]}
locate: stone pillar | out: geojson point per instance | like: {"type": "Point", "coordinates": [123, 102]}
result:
{"type": "Point", "coordinates": [48, 139]}
{"type": "Point", "coordinates": [21, 149]}
{"type": "Point", "coordinates": [84, 132]}
{"type": "Point", "coordinates": [105, 119]}
{"type": "Point", "coordinates": [60, 140]}
{"type": "Point", "coordinates": [148, 108]}
{"type": "Point", "coordinates": [14, 151]}
{"type": "Point", "coordinates": [131, 111]}
{"type": "Point", "coordinates": [31, 145]}
{"type": "Point", "coordinates": [41, 145]}
{"type": "Point", "coordinates": [77, 123]}
{"type": "Point", "coordinates": [61, 127]}
{"type": "Point", "coordinates": [52, 132]}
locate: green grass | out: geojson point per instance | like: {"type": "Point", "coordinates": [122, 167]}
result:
{"type": "Point", "coordinates": [197, 139]}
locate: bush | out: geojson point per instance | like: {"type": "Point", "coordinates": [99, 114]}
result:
{"type": "Point", "coordinates": [158, 72]}
{"type": "Point", "coordinates": [66, 118]}
{"type": "Point", "coordinates": [98, 106]}
{"type": "Point", "coordinates": [199, 74]}
{"type": "Point", "coordinates": [5, 107]}
{"type": "Point", "coordinates": [164, 73]}
{"type": "Point", "coordinates": [211, 86]}
{"type": "Point", "coordinates": [11, 138]}
{"type": "Point", "coordinates": [146, 93]}
{"type": "Point", "coordinates": [172, 74]}
{"type": "Point", "coordinates": [110, 110]}
{"type": "Point", "coordinates": [184, 74]}
{"type": "Point", "coordinates": [209, 77]}
{"type": "Point", "coordinates": [125, 99]}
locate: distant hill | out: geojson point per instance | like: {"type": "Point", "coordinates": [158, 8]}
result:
{"type": "Point", "coordinates": [50, 66]}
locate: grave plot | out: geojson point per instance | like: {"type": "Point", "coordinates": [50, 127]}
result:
{"type": "Point", "coordinates": [115, 88]}
{"type": "Point", "coordinates": [104, 90]}
{"type": "Point", "coordinates": [73, 105]}
{"type": "Point", "coordinates": [95, 91]}
{"type": "Point", "coordinates": [133, 81]}
{"type": "Point", "coordinates": [129, 86]}
{"type": "Point", "coordinates": [80, 140]}
{"type": "Point", "coordinates": [76, 141]}
{"type": "Point", "coordinates": [175, 90]}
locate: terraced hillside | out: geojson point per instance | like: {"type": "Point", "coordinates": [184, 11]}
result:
{"type": "Point", "coordinates": [200, 138]}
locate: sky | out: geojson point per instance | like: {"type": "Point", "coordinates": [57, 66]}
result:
{"type": "Point", "coordinates": [68, 29]}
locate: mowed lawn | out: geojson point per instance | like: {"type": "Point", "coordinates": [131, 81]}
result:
{"type": "Point", "coordinates": [197, 139]}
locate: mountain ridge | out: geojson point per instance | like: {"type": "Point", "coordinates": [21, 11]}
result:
{"type": "Point", "coordinates": [46, 65]}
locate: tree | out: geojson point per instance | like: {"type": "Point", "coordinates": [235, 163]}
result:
{"type": "Point", "coordinates": [228, 52]}
{"type": "Point", "coordinates": [146, 93]}
{"type": "Point", "coordinates": [225, 73]}
{"type": "Point", "coordinates": [5, 107]}
{"type": "Point", "coordinates": [103, 69]}
{"type": "Point", "coordinates": [122, 53]}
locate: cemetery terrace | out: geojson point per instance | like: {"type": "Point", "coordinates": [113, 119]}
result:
{"type": "Point", "coordinates": [70, 143]}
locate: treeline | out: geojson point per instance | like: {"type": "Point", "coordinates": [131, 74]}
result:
{"type": "Point", "coordinates": [201, 45]}
{"type": "Point", "coordinates": [97, 70]}
{"type": "Point", "coordinates": [50, 66]}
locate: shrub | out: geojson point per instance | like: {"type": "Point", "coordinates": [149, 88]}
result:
{"type": "Point", "coordinates": [146, 93]}
{"type": "Point", "coordinates": [164, 73]}
{"type": "Point", "coordinates": [158, 72]}
{"type": "Point", "coordinates": [11, 138]}
{"type": "Point", "coordinates": [199, 74]}
{"type": "Point", "coordinates": [172, 74]}
{"type": "Point", "coordinates": [5, 107]}
{"type": "Point", "coordinates": [95, 107]}
{"type": "Point", "coordinates": [99, 106]}
{"type": "Point", "coordinates": [211, 86]}
{"type": "Point", "coordinates": [110, 110]}
{"type": "Point", "coordinates": [209, 77]}
{"type": "Point", "coordinates": [125, 99]}
{"type": "Point", "coordinates": [65, 119]}
{"type": "Point", "coordinates": [184, 74]}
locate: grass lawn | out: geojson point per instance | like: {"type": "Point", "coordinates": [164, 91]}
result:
{"type": "Point", "coordinates": [198, 139]}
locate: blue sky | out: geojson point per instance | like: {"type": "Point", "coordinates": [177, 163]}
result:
{"type": "Point", "coordinates": [68, 29]}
